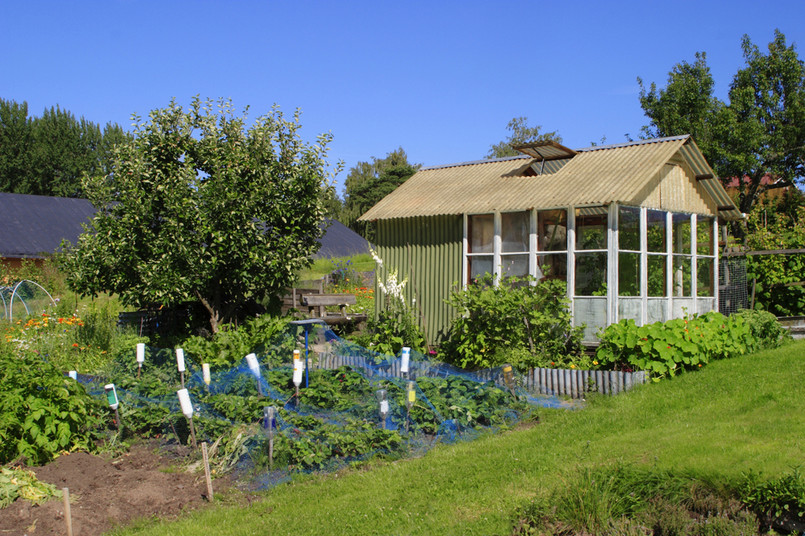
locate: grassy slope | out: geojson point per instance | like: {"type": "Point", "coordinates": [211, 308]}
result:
{"type": "Point", "coordinates": [727, 418]}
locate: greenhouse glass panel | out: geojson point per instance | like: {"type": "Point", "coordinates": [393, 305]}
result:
{"type": "Point", "coordinates": [656, 275]}
{"type": "Point", "coordinates": [681, 276]}
{"type": "Point", "coordinates": [704, 279]}
{"type": "Point", "coordinates": [591, 274]}
{"type": "Point", "coordinates": [478, 266]}
{"type": "Point", "coordinates": [552, 266]}
{"type": "Point", "coordinates": [681, 233]}
{"type": "Point", "coordinates": [552, 230]}
{"type": "Point", "coordinates": [515, 229]}
{"type": "Point", "coordinates": [629, 228]}
{"type": "Point", "coordinates": [481, 233]}
{"type": "Point", "coordinates": [591, 228]}
{"type": "Point", "coordinates": [514, 265]}
{"type": "Point", "coordinates": [704, 235]}
{"type": "Point", "coordinates": [629, 274]}
{"type": "Point", "coordinates": [656, 231]}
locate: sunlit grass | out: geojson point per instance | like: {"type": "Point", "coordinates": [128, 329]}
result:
{"type": "Point", "coordinates": [732, 416]}
{"type": "Point", "coordinates": [322, 267]}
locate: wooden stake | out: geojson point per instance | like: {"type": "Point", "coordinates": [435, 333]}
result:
{"type": "Point", "coordinates": [193, 432]}
{"type": "Point", "coordinates": [207, 470]}
{"type": "Point", "coordinates": [68, 518]}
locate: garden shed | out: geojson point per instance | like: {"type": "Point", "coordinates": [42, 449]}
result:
{"type": "Point", "coordinates": [632, 228]}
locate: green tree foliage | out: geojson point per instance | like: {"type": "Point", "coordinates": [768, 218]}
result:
{"type": "Point", "coordinates": [519, 134]}
{"type": "Point", "coordinates": [200, 207]}
{"type": "Point", "coordinates": [369, 182]}
{"type": "Point", "coordinates": [48, 155]}
{"type": "Point", "coordinates": [761, 131]}
{"type": "Point", "coordinates": [779, 280]}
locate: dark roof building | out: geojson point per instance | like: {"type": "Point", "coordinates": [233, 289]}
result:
{"type": "Point", "coordinates": [33, 226]}
{"type": "Point", "coordinates": [340, 241]}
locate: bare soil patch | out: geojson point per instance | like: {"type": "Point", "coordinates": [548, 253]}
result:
{"type": "Point", "coordinates": [145, 482]}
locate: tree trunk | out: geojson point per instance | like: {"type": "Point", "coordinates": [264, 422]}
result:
{"type": "Point", "coordinates": [215, 313]}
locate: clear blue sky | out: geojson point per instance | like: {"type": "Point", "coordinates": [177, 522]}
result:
{"type": "Point", "coordinates": [439, 79]}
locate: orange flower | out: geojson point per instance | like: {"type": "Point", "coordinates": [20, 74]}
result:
{"type": "Point", "coordinates": [75, 345]}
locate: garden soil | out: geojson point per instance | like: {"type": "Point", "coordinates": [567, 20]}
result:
{"type": "Point", "coordinates": [104, 493]}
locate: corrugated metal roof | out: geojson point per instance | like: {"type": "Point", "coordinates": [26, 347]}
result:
{"type": "Point", "coordinates": [596, 175]}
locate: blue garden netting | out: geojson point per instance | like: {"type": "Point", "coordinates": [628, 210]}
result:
{"type": "Point", "coordinates": [343, 403]}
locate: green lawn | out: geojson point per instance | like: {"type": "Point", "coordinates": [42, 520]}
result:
{"type": "Point", "coordinates": [732, 416]}
{"type": "Point", "coordinates": [322, 267]}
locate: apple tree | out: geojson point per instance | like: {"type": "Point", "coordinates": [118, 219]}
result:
{"type": "Point", "coordinates": [202, 206]}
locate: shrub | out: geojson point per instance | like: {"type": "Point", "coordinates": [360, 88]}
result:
{"type": "Point", "coordinates": [42, 412]}
{"type": "Point", "coordinates": [664, 349]}
{"type": "Point", "coordinates": [514, 321]}
{"type": "Point", "coordinates": [766, 331]}
{"type": "Point", "coordinates": [230, 345]}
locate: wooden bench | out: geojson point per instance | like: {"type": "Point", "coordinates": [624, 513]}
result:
{"type": "Point", "coordinates": [322, 301]}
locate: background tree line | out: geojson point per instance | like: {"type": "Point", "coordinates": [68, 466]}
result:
{"type": "Point", "coordinates": [48, 155]}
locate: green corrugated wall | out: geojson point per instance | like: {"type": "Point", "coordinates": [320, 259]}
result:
{"type": "Point", "coordinates": [426, 250]}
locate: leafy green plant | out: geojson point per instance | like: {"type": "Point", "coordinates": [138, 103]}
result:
{"type": "Point", "coordinates": [775, 500]}
{"type": "Point", "coordinates": [42, 412]}
{"type": "Point", "coordinates": [264, 334]}
{"type": "Point", "coordinates": [766, 331]}
{"type": "Point", "coordinates": [665, 349]}
{"type": "Point", "coordinates": [513, 319]}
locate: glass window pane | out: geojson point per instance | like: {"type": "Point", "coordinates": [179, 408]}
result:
{"type": "Point", "coordinates": [656, 275]}
{"type": "Point", "coordinates": [629, 274]}
{"type": "Point", "coordinates": [656, 231]}
{"type": "Point", "coordinates": [479, 266]}
{"type": "Point", "coordinates": [591, 274]}
{"type": "Point", "coordinates": [481, 233]}
{"type": "Point", "coordinates": [515, 229]}
{"type": "Point", "coordinates": [552, 230]}
{"type": "Point", "coordinates": [514, 265]}
{"type": "Point", "coordinates": [704, 235]}
{"type": "Point", "coordinates": [629, 228]}
{"type": "Point", "coordinates": [553, 266]}
{"type": "Point", "coordinates": [681, 276]}
{"type": "Point", "coordinates": [704, 279]}
{"type": "Point", "coordinates": [591, 228]}
{"type": "Point", "coordinates": [681, 233]}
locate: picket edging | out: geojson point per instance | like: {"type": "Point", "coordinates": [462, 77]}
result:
{"type": "Point", "coordinates": [571, 383]}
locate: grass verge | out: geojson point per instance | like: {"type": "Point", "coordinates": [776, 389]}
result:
{"type": "Point", "coordinates": [730, 417]}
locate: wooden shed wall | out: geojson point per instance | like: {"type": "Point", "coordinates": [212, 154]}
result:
{"type": "Point", "coordinates": [428, 251]}
{"type": "Point", "coordinates": [675, 189]}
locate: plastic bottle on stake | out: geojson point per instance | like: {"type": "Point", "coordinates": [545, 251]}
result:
{"type": "Point", "coordinates": [254, 366]}
{"type": "Point", "coordinates": [406, 357]}
{"type": "Point", "coordinates": [382, 398]}
{"type": "Point", "coordinates": [205, 373]}
{"type": "Point", "coordinates": [111, 395]}
{"type": "Point", "coordinates": [114, 402]}
{"type": "Point", "coordinates": [180, 359]}
{"type": "Point", "coordinates": [140, 356]}
{"type": "Point", "coordinates": [187, 411]}
{"type": "Point", "coordinates": [298, 368]}
{"type": "Point", "coordinates": [184, 402]}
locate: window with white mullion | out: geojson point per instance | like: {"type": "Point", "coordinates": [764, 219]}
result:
{"type": "Point", "coordinates": [591, 250]}
{"type": "Point", "coordinates": [498, 244]}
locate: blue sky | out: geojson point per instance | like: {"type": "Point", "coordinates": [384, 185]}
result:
{"type": "Point", "coordinates": [439, 79]}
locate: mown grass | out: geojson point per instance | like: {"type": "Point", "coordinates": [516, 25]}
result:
{"type": "Point", "coordinates": [728, 418]}
{"type": "Point", "coordinates": [322, 267]}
